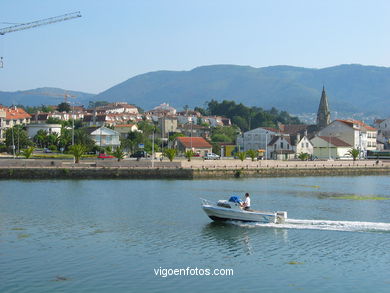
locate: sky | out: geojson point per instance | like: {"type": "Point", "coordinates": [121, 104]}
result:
{"type": "Point", "coordinates": [115, 40]}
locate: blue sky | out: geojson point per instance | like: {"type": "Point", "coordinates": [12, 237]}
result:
{"type": "Point", "coordinates": [117, 39]}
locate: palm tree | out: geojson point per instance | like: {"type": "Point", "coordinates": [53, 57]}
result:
{"type": "Point", "coordinates": [170, 154]}
{"type": "Point", "coordinates": [78, 151]}
{"type": "Point", "coordinates": [303, 156]}
{"type": "Point", "coordinates": [354, 153]}
{"type": "Point", "coordinates": [28, 152]}
{"type": "Point", "coordinates": [241, 156]}
{"type": "Point", "coordinates": [252, 154]}
{"type": "Point", "coordinates": [119, 154]}
{"type": "Point", "coordinates": [189, 154]}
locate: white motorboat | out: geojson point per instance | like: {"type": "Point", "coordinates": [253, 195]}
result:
{"type": "Point", "coordinates": [225, 210]}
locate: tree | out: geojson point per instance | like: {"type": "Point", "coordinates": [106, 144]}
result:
{"type": "Point", "coordinates": [241, 156]}
{"type": "Point", "coordinates": [92, 104]}
{"type": "Point", "coordinates": [252, 154]}
{"type": "Point", "coordinates": [82, 137]}
{"type": "Point", "coordinates": [63, 107]}
{"type": "Point", "coordinates": [224, 134]}
{"type": "Point", "coordinates": [119, 154]}
{"type": "Point", "coordinates": [303, 156]}
{"type": "Point", "coordinates": [18, 137]}
{"type": "Point", "coordinates": [65, 139]}
{"type": "Point", "coordinates": [189, 154]}
{"type": "Point", "coordinates": [78, 150]}
{"type": "Point", "coordinates": [53, 120]}
{"type": "Point", "coordinates": [170, 154]}
{"type": "Point", "coordinates": [175, 135]}
{"type": "Point", "coordinates": [40, 138]}
{"type": "Point", "coordinates": [249, 117]}
{"type": "Point", "coordinates": [27, 153]}
{"type": "Point", "coordinates": [354, 153]}
{"type": "Point", "coordinates": [146, 127]}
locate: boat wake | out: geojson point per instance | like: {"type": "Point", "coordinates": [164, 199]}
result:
{"type": "Point", "coordinates": [350, 226]}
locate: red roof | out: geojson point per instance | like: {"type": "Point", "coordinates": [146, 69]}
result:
{"type": "Point", "coordinates": [195, 142]}
{"type": "Point", "coordinates": [357, 122]}
{"type": "Point", "coordinates": [335, 141]}
{"type": "Point", "coordinates": [13, 113]}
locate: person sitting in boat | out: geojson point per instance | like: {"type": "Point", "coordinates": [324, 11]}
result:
{"type": "Point", "coordinates": [247, 203]}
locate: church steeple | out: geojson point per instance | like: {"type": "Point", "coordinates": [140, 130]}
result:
{"type": "Point", "coordinates": [323, 114]}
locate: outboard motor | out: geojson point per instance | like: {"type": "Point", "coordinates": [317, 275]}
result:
{"type": "Point", "coordinates": [281, 217]}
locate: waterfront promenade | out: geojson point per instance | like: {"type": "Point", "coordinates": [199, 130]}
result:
{"type": "Point", "coordinates": [197, 168]}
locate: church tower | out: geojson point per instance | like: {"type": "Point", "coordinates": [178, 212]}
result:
{"type": "Point", "coordinates": [323, 114]}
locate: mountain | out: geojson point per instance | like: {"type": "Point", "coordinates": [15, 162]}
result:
{"type": "Point", "coordinates": [45, 96]}
{"type": "Point", "coordinates": [350, 88]}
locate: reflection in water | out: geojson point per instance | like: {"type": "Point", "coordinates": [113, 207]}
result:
{"type": "Point", "coordinates": [233, 238]}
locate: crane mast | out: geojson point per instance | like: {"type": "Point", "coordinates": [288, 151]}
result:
{"type": "Point", "coordinates": [41, 22]}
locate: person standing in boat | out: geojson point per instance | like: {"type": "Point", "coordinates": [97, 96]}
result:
{"type": "Point", "coordinates": [247, 203]}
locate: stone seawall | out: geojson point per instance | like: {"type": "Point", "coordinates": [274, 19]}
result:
{"type": "Point", "coordinates": [178, 173]}
{"type": "Point", "coordinates": [182, 169]}
{"type": "Point", "coordinates": [94, 173]}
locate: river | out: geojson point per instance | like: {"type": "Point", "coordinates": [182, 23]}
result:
{"type": "Point", "coordinates": [131, 235]}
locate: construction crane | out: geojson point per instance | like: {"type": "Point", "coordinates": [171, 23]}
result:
{"type": "Point", "coordinates": [66, 96]}
{"type": "Point", "coordinates": [28, 25]}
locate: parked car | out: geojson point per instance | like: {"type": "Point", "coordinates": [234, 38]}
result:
{"type": "Point", "coordinates": [211, 156]}
{"type": "Point", "coordinates": [105, 156]}
{"type": "Point", "coordinates": [140, 154]}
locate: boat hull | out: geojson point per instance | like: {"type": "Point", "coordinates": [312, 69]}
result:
{"type": "Point", "coordinates": [225, 214]}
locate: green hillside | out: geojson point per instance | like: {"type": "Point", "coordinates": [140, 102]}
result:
{"type": "Point", "coordinates": [350, 88]}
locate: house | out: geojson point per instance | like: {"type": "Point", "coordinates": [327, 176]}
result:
{"type": "Point", "coordinates": [11, 116]}
{"type": "Point", "coordinates": [197, 144]}
{"type": "Point", "coordinates": [280, 148]}
{"type": "Point", "coordinates": [32, 129]}
{"type": "Point", "coordinates": [162, 110]}
{"type": "Point", "coordinates": [167, 124]}
{"type": "Point", "coordinates": [256, 139]}
{"type": "Point", "coordinates": [330, 147]}
{"type": "Point", "coordinates": [303, 145]}
{"type": "Point", "coordinates": [104, 137]}
{"type": "Point", "coordinates": [356, 133]}
{"type": "Point", "coordinates": [215, 121]}
{"type": "Point", "coordinates": [383, 126]}
{"type": "Point", "coordinates": [300, 135]}
{"type": "Point", "coordinates": [194, 130]}
{"type": "Point", "coordinates": [124, 129]}
{"type": "Point", "coordinates": [117, 108]}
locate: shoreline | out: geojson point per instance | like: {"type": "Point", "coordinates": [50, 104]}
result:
{"type": "Point", "coordinates": [178, 173]}
{"type": "Point", "coordinates": [182, 169]}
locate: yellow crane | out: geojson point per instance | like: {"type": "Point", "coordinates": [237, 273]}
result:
{"type": "Point", "coordinates": [28, 25]}
{"type": "Point", "coordinates": [65, 95]}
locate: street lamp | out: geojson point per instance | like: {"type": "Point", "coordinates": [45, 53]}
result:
{"type": "Point", "coordinates": [153, 149]}
{"type": "Point", "coordinates": [13, 141]}
{"type": "Point", "coordinates": [191, 133]}
{"type": "Point", "coordinates": [266, 144]}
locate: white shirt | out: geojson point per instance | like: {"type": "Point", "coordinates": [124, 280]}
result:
{"type": "Point", "coordinates": [247, 202]}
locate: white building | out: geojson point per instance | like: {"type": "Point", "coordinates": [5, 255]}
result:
{"type": "Point", "coordinates": [256, 139]}
{"type": "Point", "coordinates": [303, 145]}
{"type": "Point", "coordinates": [104, 137]}
{"type": "Point", "coordinates": [11, 116]}
{"type": "Point", "coordinates": [118, 108]}
{"type": "Point", "coordinates": [328, 147]}
{"type": "Point", "coordinates": [281, 148]}
{"type": "Point", "coordinates": [383, 126]}
{"type": "Point", "coordinates": [32, 129]}
{"type": "Point", "coordinates": [162, 110]}
{"type": "Point", "coordinates": [355, 133]}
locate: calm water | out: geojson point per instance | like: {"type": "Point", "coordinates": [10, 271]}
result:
{"type": "Point", "coordinates": [110, 236]}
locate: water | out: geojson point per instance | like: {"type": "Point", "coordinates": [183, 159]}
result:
{"type": "Point", "coordinates": [112, 235]}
